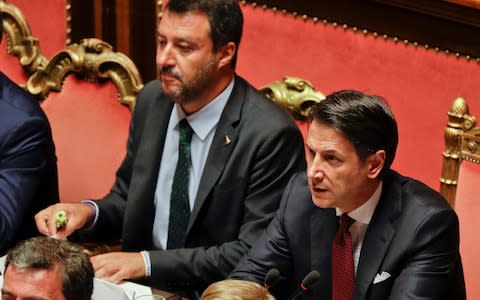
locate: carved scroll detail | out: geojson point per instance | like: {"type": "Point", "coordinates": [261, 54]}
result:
{"type": "Point", "coordinates": [295, 94]}
{"type": "Point", "coordinates": [93, 60]}
{"type": "Point", "coordinates": [20, 41]}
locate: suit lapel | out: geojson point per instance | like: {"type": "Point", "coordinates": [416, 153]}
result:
{"type": "Point", "coordinates": [380, 233]}
{"type": "Point", "coordinates": [223, 143]}
{"type": "Point", "coordinates": [146, 167]}
{"type": "Point", "coordinates": [323, 225]}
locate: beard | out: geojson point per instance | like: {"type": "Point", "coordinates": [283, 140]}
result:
{"type": "Point", "coordinates": [189, 90]}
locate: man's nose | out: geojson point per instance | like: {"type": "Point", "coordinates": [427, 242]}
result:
{"type": "Point", "coordinates": [315, 170]}
{"type": "Point", "coordinates": [165, 56]}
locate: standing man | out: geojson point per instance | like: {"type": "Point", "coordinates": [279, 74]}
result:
{"type": "Point", "coordinates": [397, 238]}
{"type": "Point", "coordinates": [28, 165]}
{"type": "Point", "coordinates": [46, 268]}
{"type": "Point", "coordinates": [207, 160]}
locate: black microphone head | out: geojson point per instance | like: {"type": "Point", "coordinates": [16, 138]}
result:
{"type": "Point", "coordinates": [310, 279]}
{"type": "Point", "coordinates": [272, 277]}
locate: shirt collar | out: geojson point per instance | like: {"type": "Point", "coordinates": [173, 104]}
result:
{"type": "Point", "coordinates": [204, 120]}
{"type": "Point", "coordinates": [364, 213]}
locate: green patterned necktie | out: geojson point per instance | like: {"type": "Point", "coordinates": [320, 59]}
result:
{"type": "Point", "coordinates": [179, 203]}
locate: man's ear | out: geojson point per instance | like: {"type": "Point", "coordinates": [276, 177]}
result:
{"type": "Point", "coordinates": [225, 54]}
{"type": "Point", "coordinates": [375, 163]}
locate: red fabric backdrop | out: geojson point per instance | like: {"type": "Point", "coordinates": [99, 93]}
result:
{"type": "Point", "coordinates": [467, 208]}
{"type": "Point", "coordinates": [420, 84]}
{"type": "Point", "coordinates": [90, 129]}
{"type": "Point", "coordinates": [10, 65]}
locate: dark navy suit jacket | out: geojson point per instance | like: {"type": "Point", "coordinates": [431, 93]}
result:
{"type": "Point", "coordinates": [28, 169]}
{"type": "Point", "coordinates": [410, 249]}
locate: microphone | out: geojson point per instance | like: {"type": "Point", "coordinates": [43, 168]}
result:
{"type": "Point", "coordinates": [272, 277]}
{"type": "Point", "coordinates": [308, 281]}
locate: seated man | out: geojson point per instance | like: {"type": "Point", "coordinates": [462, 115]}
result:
{"type": "Point", "coordinates": [46, 268]}
{"type": "Point", "coordinates": [397, 238]}
{"type": "Point", "coordinates": [207, 160]}
{"type": "Point", "coordinates": [28, 169]}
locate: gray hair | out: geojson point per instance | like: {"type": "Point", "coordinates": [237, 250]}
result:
{"type": "Point", "coordinates": [44, 253]}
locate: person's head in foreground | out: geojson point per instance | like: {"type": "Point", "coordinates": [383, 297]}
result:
{"type": "Point", "coordinates": [48, 269]}
{"type": "Point", "coordinates": [351, 144]}
{"type": "Point", "coordinates": [234, 289]}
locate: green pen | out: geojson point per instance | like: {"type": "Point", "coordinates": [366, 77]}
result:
{"type": "Point", "coordinates": [61, 219]}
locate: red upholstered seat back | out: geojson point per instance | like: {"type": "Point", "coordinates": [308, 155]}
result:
{"type": "Point", "coordinates": [303, 125]}
{"type": "Point", "coordinates": [90, 129]}
{"type": "Point", "coordinates": [467, 206]}
{"type": "Point", "coordinates": [9, 65]}
{"type": "Point", "coordinates": [88, 92]}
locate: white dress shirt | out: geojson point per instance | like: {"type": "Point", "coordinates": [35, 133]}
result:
{"type": "Point", "coordinates": [204, 123]}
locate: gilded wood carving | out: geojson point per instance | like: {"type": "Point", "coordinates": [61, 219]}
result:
{"type": "Point", "coordinates": [93, 60]}
{"type": "Point", "coordinates": [20, 41]}
{"type": "Point", "coordinates": [294, 94]}
{"type": "Point", "coordinates": [462, 142]}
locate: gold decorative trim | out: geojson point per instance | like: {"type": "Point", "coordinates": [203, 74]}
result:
{"type": "Point", "coordinates": [471, 146]}
{"type": "Point", "coordinates": [462, 142]}
{"type": "Point", "coordinates": [20, 42]}
{"type": "Point", "coordinates": [93, 60]}
{"type": "Point", "coordinates": [295, 94]}
{"type": "Point", "coordinates": [362, 31]}
{"type": "Point", "coordinates": [68, 22]}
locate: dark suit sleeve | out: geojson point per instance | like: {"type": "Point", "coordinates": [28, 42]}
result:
{"type": "Point", "coordinates": [23, 155]}
{"type": "Point", "coordinates": [278, 158]}
{"type": "Point", "coordinates": [433, 269]}
{"type": "Point", "coordinates": [271, 250]}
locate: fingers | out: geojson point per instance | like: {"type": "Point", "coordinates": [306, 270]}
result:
{"type": "Point", "coordinates": [76, 215]}
{"type": "Point", "coordinates": [118, 266]}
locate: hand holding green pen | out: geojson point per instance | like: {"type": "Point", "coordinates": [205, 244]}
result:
{"type": "Point", "coordinates": [61, 219]}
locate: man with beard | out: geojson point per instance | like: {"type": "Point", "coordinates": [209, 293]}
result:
{"type": "Point", "coordinates": [207, 160]}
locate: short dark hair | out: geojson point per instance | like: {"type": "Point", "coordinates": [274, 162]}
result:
{"type": "Point", "coordinates": [224, 16]}
{"type": "Point", "coordinates": [44, 253]}
{"type": "Point", "coordinates": [365, 120]}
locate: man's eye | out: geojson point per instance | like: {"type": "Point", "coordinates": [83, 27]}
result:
{"type": "Point", "coordinates": [310, 152]}
{"type": "Point", "coordinates": [331, 158]}
{"type": "Point", "coordinates": [184, 48]}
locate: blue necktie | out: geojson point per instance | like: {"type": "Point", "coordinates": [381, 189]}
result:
{"type": "Point", "coordinates": [179, 203]}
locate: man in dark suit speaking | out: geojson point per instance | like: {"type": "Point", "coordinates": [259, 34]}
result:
{"type": "Point", "coordinates": [370, 232]}
{"type": "Point", "coordinates": [28, 165]}
{"type": "Point", "coordinates": [207, 160]}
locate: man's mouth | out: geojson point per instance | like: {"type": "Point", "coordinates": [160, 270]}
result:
{"type": "Point", "coordinates": [318, 190]}
{"type": "Point", "coordinates": [168, 77]}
